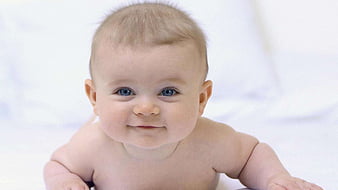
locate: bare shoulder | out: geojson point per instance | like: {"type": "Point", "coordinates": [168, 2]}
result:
{"type": "Point", "coordinates": [230, 149]}
{"type": "Point", "coordinates": [215, 131]}
{"type": "Point", "coordinates": [77, 154]}
{"type": "Point", "coordinates": [209, 125]}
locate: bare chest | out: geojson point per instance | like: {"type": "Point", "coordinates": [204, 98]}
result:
{"type": "Point", "coordinates": [187, 174]}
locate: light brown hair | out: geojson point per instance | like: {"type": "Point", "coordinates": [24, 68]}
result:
{"type": "Point", "coordinates": [148, 24]}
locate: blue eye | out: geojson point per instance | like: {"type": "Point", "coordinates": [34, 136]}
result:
{"type": "Point", "coordinates": [169, 92]}
{"type": "Point", "coordinates": [124, 92]}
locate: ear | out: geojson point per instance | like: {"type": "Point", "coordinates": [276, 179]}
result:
{"type": "Point", "coordinates": [205, 94]}
{"type": "Point", "coordinates": [91, 93]}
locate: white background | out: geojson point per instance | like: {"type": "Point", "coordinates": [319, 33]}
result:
{"type": "Point", "coordinates": [274, 65]}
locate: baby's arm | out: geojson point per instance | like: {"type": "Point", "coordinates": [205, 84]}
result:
{"type": "Point", "coordinates": [263, 170]}
{"type": "Point", "coordinates": [71, 164]}
{"type": "Point", "coordinates": [58, 177]}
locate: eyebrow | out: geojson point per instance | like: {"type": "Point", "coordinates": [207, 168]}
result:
{"type": "Point", "coordinates": [165, 80]}
{"type": "Point", "coordinates": [174, 80]}
{"type": "Point", "coordinates": [119, 81]}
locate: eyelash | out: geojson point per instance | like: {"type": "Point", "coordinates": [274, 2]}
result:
{"type": "Point", "coordinates": [125, 91]}
{"type": "Point", "coordinates": [174, 91]}
{"type": "Point", "coordinates": [119, 91]}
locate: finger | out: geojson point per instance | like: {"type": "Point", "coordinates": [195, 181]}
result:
{"type": "Point", "coordinates": [303, 184]}
{"type": "Point", "coordinates": [276, 187]}
{"type": "Point", "coordinates": [294, 185]}
{"type": "Point", "coordinates": [80, 187]}
{"type": "Point", "coordinates": [315, 187]}
{"type": "Point", "coordinates": [77, 187]}
{"type": "Point", "coordinates": [307, 185]}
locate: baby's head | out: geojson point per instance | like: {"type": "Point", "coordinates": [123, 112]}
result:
{"type": "Point", "coordinates": [148, 68]}
{"type": "Point", "coordinates": [147, 25]}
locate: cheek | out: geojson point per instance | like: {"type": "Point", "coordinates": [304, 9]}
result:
{"type": "Point", "coordinates": [111, 113]}
{"type": "Point", "coordinates": [113, 119]}
{"type": "Point", "coordinates": [185, 115]}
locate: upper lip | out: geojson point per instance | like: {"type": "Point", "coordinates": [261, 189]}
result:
{"type": "Point", "coordinates": [149, 126]}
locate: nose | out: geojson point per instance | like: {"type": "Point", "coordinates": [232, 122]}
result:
{"type": "Point", "coordinates": [146, 109]}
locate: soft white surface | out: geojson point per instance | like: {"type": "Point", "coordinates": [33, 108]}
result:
{"type": "Point", "coordinates": [286, 97]}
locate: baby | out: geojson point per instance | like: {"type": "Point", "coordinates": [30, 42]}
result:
{"type": "Point", "coordinates": [148, 89]}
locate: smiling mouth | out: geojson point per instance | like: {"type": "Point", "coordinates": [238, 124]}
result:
{"type": "Point", "coordinates": [146, 127]}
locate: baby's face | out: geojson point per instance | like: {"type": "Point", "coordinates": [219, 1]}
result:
{"type": "Point", "coordinates": [148, 97]}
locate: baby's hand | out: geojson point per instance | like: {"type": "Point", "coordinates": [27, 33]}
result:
{"type": "Point", "coordinates": [286, 182]}
{"type": "Point", "coordinates": [69, 185]}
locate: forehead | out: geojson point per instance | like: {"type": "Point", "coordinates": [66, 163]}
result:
{"type": "Point", "coordinates": [168, 60]}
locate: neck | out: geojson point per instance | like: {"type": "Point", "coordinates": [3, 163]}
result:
{"type": "Point", "coordinates": [161, 153]}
